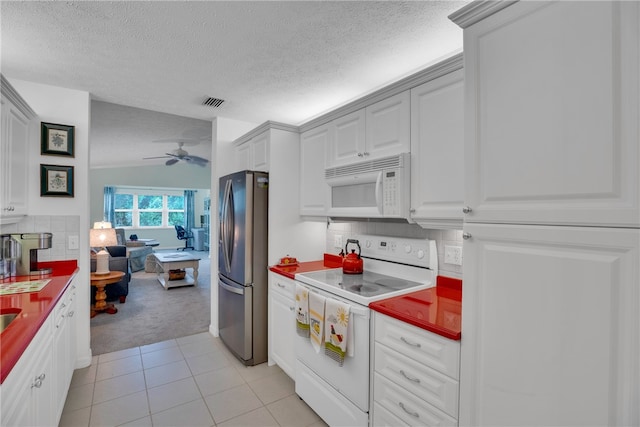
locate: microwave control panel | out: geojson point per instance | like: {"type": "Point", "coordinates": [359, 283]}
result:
{"type": "Point", "coordinates": [390, 193]}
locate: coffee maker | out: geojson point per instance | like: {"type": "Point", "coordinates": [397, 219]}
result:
{"type": "Point", "coordinates": [24, 249]}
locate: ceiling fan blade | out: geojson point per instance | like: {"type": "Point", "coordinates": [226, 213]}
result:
{"type": "Point", "coordinates": [197, 159]}
{"type": "Point", "coordinates": [160, 157]}
{"type": "Point", "coordinates": [171, 162]}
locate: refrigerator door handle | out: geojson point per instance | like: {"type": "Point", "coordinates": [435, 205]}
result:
{"type": "Point", "coordinates": [230, 288]}
{"type": "Point", "coordinates": [226, 225]}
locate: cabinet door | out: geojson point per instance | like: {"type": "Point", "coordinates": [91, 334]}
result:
{"type": "Point", "coordinates": [348, 143]}
{"type": "Point", "coordinates": [260, 152]}
{"type": "Point", "coordinates": [437, 152]}
{"type": "Point", "coordinates": [244, 157]}
{"type": "Point", "coordinates": [313, 188]}
{"type": "Point", "coordinates": [282, 328]}
{"type": "Point", "coordinates": [388, 126]}
{"type": "Point", "coordinates": [550, 327]}
{"type": "Point", "coordinates": [552, 120]}
{"type": "Point", "coordinates": [14, 151]}
{"type": "Point", "coordinates": [64, 354]}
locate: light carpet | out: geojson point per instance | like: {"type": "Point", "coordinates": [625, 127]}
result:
{"type": "Point", "coordinates": [152, 314]}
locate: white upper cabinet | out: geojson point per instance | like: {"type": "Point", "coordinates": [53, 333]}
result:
{"type": "Point", "coordinates": [378, 130]}
{"type": "Point", "coordinates": [388, 126]}
{"type": "Point", "coordinates": [347, 144]}
{"type": "Point", "coordinates": [437, 152]}
{"type": "Point", "coordinates": [313, 188]}
{"type": "Point", "coordinates": [253, 154]}
{"type": "Point", "coordinates": [16, 135]}
{"type": "Point", "coordinates": [551, 118]}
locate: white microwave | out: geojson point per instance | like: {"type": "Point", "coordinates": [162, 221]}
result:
{"type": "Point", "coordinates": [378, 188]}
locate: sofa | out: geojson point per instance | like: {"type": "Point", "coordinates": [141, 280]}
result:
{"type": "Point", "coordinates": [118, 261]}
{"type": "Point", "coordinates": [136, 251]}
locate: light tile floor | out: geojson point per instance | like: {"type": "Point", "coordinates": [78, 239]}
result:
{"type": "Point", "coordinates": [189, 381]}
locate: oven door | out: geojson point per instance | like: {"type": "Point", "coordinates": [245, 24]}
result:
{"type": "Point", "coordinates": [350, 380]}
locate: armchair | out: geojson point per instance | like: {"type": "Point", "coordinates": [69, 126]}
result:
{"type": "Point", "coordinates": [118, 261]}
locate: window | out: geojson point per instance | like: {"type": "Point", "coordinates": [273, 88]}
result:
{"type": "Point", "coordinates": [148, 208]}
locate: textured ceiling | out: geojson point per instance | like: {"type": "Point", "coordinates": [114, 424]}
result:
{"type": "Point", "coordinates": [280, 61]}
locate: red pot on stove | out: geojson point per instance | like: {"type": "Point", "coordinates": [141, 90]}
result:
{"type": "Point", "coordinates": [352, 263]}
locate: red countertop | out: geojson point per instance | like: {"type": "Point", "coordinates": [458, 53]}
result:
{"type": "Point", "coordinates": [437, 309]}
{"type": "Point", "coordinates": [329, 261]}
{"type": "Point", "coordinates": [34, 308]}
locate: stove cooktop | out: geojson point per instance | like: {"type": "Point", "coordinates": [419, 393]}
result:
{"type": "Point", "coordinates": [392, 266]}
{"type": "Point", "coordinates": [360, 288]}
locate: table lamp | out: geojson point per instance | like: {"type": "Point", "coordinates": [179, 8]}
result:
{"type": "Point", "coordinates": [102, 235]}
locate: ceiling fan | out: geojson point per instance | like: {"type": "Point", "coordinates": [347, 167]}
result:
{"type": "Point", "coordinates": [179, 154]}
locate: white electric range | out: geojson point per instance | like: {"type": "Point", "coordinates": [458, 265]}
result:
{"type": "Point", "coordinates": [392, 266]}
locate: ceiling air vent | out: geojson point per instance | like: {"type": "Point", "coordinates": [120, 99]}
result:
{"type": "Point", "coordinates": [213, 102]}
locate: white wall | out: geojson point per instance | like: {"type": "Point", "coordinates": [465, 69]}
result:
{"type": "Point", "coordinates": [69, 107]}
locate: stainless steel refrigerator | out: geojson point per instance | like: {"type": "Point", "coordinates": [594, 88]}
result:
{"type": "Point", "coordinates": [242, 264]}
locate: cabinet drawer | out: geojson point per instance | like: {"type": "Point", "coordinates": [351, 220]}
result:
{"type": "Point", "coordinates": [437, 389]}
{"type": "Point", "coordinates": [404, 405]}
{"type": "Point", "coordinates": [439, 353]}
{"type": "Point", "coordinates": [282, 285]}
{"type": "Point", "coordinates": [382, 417]}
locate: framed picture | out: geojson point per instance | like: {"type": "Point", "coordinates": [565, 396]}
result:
{"type": "Point", "coordinates": [56, 140]}
{"type": "Point", "coordinates": [56, 180]}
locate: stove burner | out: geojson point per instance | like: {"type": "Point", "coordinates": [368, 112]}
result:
{"type": "Point", "coordinates": [364, 288]}
{"type": "Point", "coordinates": [392, 283]}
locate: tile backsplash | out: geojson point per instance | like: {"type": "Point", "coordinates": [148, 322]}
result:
{"type": "Point", "coordinates": [393, 229]}
{"type": "Point", "coordinates": [61, 226]}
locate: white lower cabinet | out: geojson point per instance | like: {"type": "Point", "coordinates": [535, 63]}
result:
{"type": "Point", "coordinates": [415, 377]}
{"type": "Point", "coordinates": [282, 326]}
{"type": "Point", "coordinates": [34, 392]}
{"type": "Point", "coordinates": [64, 351]}
{"type": "Point", "coordinates": [27, 392]}
{"type": "Point", "coordinates": [550, 326]}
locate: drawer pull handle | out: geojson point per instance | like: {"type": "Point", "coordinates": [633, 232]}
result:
{"type": "Point", "coordinates": [404, 340]}
{"type": "Point", "coordinates": [413, 414]}
{"type": "Point", "coordinates": [71, 313]}
{"type": "Point", "coordinates": [38, 381]}
{"type": "Point", "coordinates": [292, 308]}
{"type": "Point", "coordinates": [280, 285]}
{"type": "Point", "coordinates": [415, 380]}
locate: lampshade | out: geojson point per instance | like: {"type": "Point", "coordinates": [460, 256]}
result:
{"type": "Point", "coordinates": [101, 237]}
{"type": "Point", "coordinates": [102, 224]}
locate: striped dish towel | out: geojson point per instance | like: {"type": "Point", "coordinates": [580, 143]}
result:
{"type": "Point", "coordinates": [316, 320]}
{"type": "Point", "coordinates": [336, 326]}
{"type": "Point", "coordinates": [302, 310]}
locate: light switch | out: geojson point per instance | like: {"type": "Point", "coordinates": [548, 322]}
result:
{"type": "Point", "coordinates": [74, 242]}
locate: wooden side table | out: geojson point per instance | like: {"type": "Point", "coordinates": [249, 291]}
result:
{"type": "Point", "coordinates": [100, 281]}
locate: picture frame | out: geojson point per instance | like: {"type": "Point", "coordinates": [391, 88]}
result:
{"type": "Point", "coordinates": [56, 181]}
{"type": "Point", "coordinates": [57, 140]}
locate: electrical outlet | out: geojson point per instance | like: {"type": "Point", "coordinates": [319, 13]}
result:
{"type": "Point", "coordinates": [453, 255]}
{"type": "Point", "coordinates": [74, 242]}
{"type": "Point", "coordinates": [337, 241]}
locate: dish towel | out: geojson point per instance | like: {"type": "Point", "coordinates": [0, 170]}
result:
{"type": "Point", "coordinates": [302, 310]}
{"type": "Point", "coordinates": [336, 326]}
{"type": "Point", "coordinates": [316, 320]}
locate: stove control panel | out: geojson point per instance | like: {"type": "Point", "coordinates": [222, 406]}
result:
{"type": "Point", "coordinates": [418, 252]}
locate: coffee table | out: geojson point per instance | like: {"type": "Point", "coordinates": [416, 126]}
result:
{"type": "Point", "coordinates": [175, 261]}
